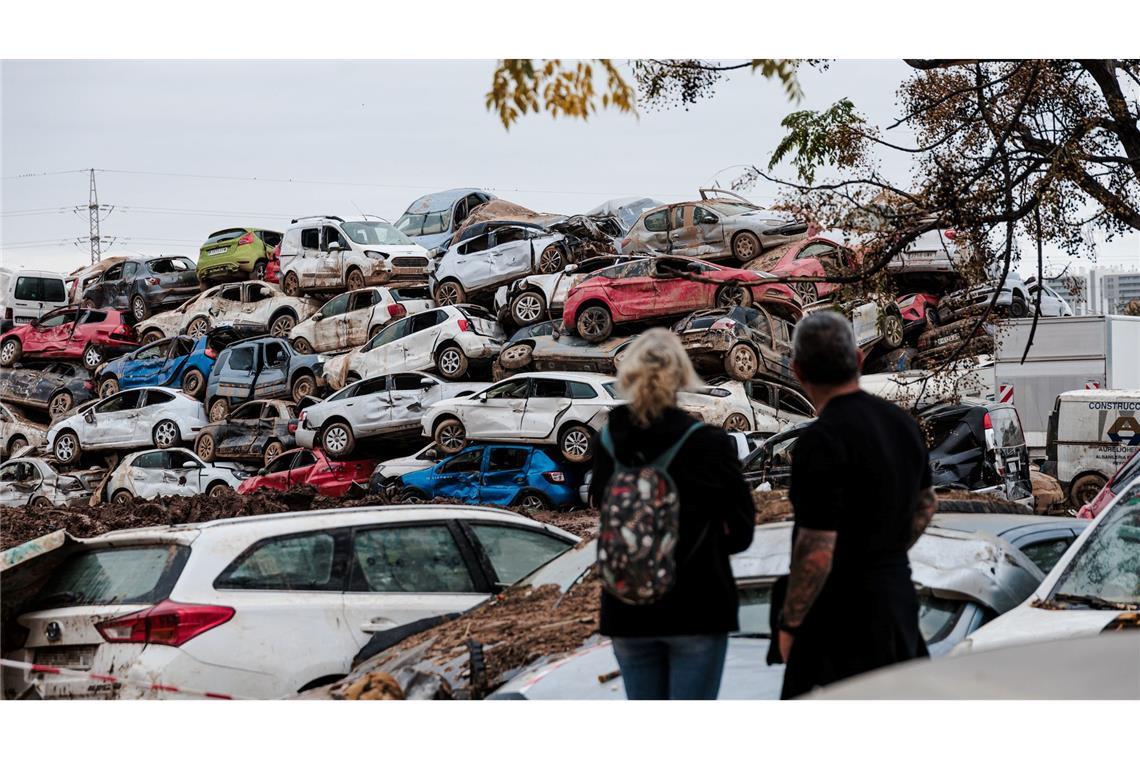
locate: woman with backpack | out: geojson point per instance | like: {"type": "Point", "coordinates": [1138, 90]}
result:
{"type": "Point", "coordinates": [674, 505]}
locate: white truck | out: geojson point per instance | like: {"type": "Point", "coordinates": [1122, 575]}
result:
{"type": "Point", "coordinates": [1091, 435]}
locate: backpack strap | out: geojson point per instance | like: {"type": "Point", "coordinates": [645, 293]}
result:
{"type": "Point", "coordinates": [665, 459]}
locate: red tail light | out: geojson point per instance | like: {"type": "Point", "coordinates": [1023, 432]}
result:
{"type": "Point", "coordinates": [292, 427]}
{"type": "Point", "coordinates": [210, 353]}
{"type": "Point", "coordinates": [950, 234]}
{"type": "Point", "coordinates": [246, 239]}
{"type": "Point", "coordinates": [396, 310]}
{"type": "Point", "coordinates": [554, 477]}
{"type": "Point", "coordinates": [987, 423]}
{"type": "Point", "coordinates": [152, 280]}
{"type": "Point", "coordinates": [169, 623]}
{"type": "Point", "coordinates": [123, 331]}
{"type": "Point", "coordinates": [464, 325]}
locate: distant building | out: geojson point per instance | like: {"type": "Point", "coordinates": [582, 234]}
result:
{"type": "Point", "coordinates": [1097, 290]}
{"type": "Point", "coordinates": [1117, 289]}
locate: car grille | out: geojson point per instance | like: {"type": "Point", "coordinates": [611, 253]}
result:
{"type": "Point", "coordinates": [409, 262]}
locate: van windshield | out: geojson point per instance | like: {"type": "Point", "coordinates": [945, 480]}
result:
{"type": "Point", "coordinates": [374, 233]}
{"type": "Point", "coordinates": [120, 575]}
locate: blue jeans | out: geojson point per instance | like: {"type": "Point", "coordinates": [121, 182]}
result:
{"type": "Point", "coordinates": [671, 667]}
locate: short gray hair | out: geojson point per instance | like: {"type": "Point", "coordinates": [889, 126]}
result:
{"type": "Point", "coordinates": [824, 349]}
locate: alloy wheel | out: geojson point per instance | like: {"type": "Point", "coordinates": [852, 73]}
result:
{"type": "Point", "coordinates": [8, 352]}
{"type": "Point", "coordinates": [165, 434]}
{"type": "Point", "coordinates": [736, 423]}
{"type": "Point", "coordinates": [576, 443]}
{"type": "Point", "coordinates": [452, 436]}
{"type": "Point", "coordinates": [806, 292]}
{"type": "Point", "coordinates": [335, 439]}
{"type": "Point", "coordinates": [281, 326]}
{"type": "Point", "coordinates": [528, 308]}
{"type": "Point", "coordinates": [59, 404]}
{"type": "Point", "coordinates": [449, 361]}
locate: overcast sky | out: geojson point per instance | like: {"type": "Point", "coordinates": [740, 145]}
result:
{"type": "Point", "coordinates": [354, 134]}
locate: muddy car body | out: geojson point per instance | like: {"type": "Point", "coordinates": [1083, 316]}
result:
{"type": "Point", "coordinates": [626, 211]}
{"type": "Point", "coordinates": [1016, 297]}
{"type": "Point", "coordinates": [744, 342]}
{"type": "Point", "coordinates": [143, 286]}
{"type": "Point", "coordinates": [261, 368]}
{"type": "Point", "coordinates": [131, 419]}
{"type": "Point", "coordinates": [311, 467]}
{"type": "Point", "coordinates": [814, 257]}
{"type": "Point", "coordinates": [347, 321]}
{"type": "Point", "coordinates": [84, 277]}
{"type": "Point", "coordinates": [330, 253]}
{"type": "Point", "coordinates": [391, 406]}
{"type": "Point", "coordinates": [74, 332]}
{"type": "Point", "coordinates": [55, 388]}
{"type": "Point", "coordinates": [727, 406]}
{"type": "Point", "coordinates": [721, 225]}
{"type": "Point", "coordinates": [256, 431]}
{"type": "Point", "coordinates": [17, 432]}
{"type": "Point", "coordinates": [433, 218]}
{"type": "Point", "coordinates": [546, 347]}
{"type": "Point", "coordinates": [32, 481]}
{"type": "Point", "coordinates": [539, 297]}
{"type": "Point", "coordinates": [498, 256]}
{"type": "Point", "coordinates": [179, 362]}
{"type": "Point", "coordinates": [249, 308]}
{"type": "Point", "coordinates": [170, 472]}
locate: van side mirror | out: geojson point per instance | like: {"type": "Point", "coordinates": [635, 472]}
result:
{"type": "Point", "coordinates": [334, 246]}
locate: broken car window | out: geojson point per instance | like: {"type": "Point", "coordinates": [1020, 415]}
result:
{"type": "Point", "coordinates": [418, 559]}
{"type": "Point", "coordinates": [232, 293]}
{"type": "Point", "coordinates": [502, 458]}
{"type": "Point", "coordinates": [657, 221]}
{"type": "Point", "coordinates": [466, 461]}
{"type": "Point", "coordinates": [375, 233]}
{"type": "Point", "coordinates": [170, 266]}
{"type": "Point", "coordinates": [1107, 567]}
{"type": "Point", "coordinates": [250, 411]}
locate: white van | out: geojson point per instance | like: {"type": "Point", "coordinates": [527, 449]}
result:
{"type": "Point", "coordinates": [28, 294]}
{"type": "Point", "coordinates": [1091, 434]}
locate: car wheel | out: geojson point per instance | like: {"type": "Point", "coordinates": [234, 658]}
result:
{"type": "Point", "coordinates": [108, 386]}
{"type": "Point", "coordinates": [302, 346]}
{"type": "Point", "coordinates": [450, 293]}
{"type": "Point", "coordinates": [139, 308]}
{"type": "Point", "coordinates": [733, 295]}
{"type": "Point", "coordinates": [218, 490]}
{"type": "Point", "coordinates": [66, 447]}
{"type": "Point", "coordinates": [575, 443]}
{"type": "Point", "coordinates": [165, 434]}
{"type": "Point", "coordinates": [60, 404]}
{"type": "Point", "coordinates": [746, 246]}
{"type": "Point", "coordinates": [92, 357]}
{"type": "Point", "coordinates": [281, 325]}
{"type": "Point", "coordinates": [452, 363]}
{"type": "Point", "coordinates": [15, 443]}
{"type": "Point", "coordinates": [150, 336]}
{"type": "Point", "coordinates": [10, 352]}
{"type": "Point", "coordinates": [354, 280]}
{"type": "Point", "coordinates": [1084, 489]}
{"type": "Point", "coordinates": [218, 410]}
{"type": "Point", "coordinates": [737, 423]}
{"type": "Point", "coordinates": [450, 435]}
{"type": "Point", "coordinates": [532, 500]}
{"type": "Point", "coordinates": [413, 496]}
{"type": "Point", "coordinates": [273, 449]}
{"type": "Point", "coordinates": [528, 308]}
{"type": "Point", "coordinates": [121, 497]}
{"type": "Point", "coordinates": [595, 324]}
{"type": "Point", "coordinates": [1018, 308]}
{"type": "Point", "coordinates": [303, 386]}
{"type": "Point", "coordinates": [551, 260]}
{"type": "Point", "coordinates": [193, 383]}
{"type": "Point", "coordinates": [741, 362]}
{"type": "Point", "coordinates": [291, 285]}
{"type": "Point", "coordinates": [806, 292]}
{"type": "Point", "coordinates": [42, 501]}
{"type": "Point", "coordinates": [516, 357]}
{"type": "Point", "coordinates": [198, 327]}
{"type": "Point", "coordinates": [205, 447]}
{"type": "Point", "coordinates": [892, 331]}
{"type": "Point", "coordinates": [258, 271]}
{"type": "Point", "coordinates": [337, 440]}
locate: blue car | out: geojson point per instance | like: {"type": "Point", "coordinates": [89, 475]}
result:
{"type": "Point", "coordinates": [180, 361]}
{"type": "Point", "coordinates": [525, 476]}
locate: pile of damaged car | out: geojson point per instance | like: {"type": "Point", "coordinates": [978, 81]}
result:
{"type": "Point", "coordinates": [432, 392]}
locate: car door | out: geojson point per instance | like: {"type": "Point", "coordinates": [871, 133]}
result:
{"type": "Point", "coordinates": [329, 329]}
{"type": "Point", "coordinates": [458, 476]}
{"type": "Point", "coordinates": [682, 233]}
{"type": "Point", "coordinates": [102, 293]}
{"type": "Point", "coordinates": [51, 334]}
{"type": "Point", "coordinates": [273, 376]}
{"type": "Point", "coordinates": [386, 352]}
{"type": "Point", "coordinates": [269, 426]}
{"type": "Point", "coordinates": [276, 474]}
{"type": "Point", "coordinates": [423, 335]}
{"type": "Point", "coordinates": [146, 474]}
{"type": "Point", "coordinates": [410, 394]}
{"type": "Point", "coordinates": [354, 326]}
{"type": "Point", "coordinates": [400, 573]}
{"type": "Point", "coordinates": [117, 293]}
{"type": "Point", "coordinates": [238, 374]}
{"type": "Point", "coordinates": [471, 263]}
{"type": "Point", "coordinates": [1010, 455]}
{"type": "Point", "coordinates": [310, 259]}
{"type": "Point", "coordinates": [511, 255]}
{"type": "Point", "coordinates": [147, 365]}
{"type": "Point", "coordinates": [499, 411]}
{"type": "Point", "coordinates": [675, 291]}
{"type": "Point", "coordinates": [633, 291]}
{"type": "Point", "coordinates": [19, 482]}
{"type": "Point", "coordinates": [708, 232]}
{"type": "Point", "coordinates": [513, 551]}
{"type": "Point", "coordinates": [331, 272]}
{"type": "Point", "coordinates": [504, 473]}
{"type": "Point", "coordinates": [302, 468]}
{"type": "Point", "coordinates": [655, 239]}
{"type": "Point", "coordinates": [369, 409]}
{"type": "Point", "coordinates": [240, 430]}
{"type": "Point", "coordinates": [114, 420]}
{"type": "Point", "coordinates": [547, 400]}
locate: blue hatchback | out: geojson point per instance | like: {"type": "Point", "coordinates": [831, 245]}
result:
{"type": "Point", "coordinates": [526, 476]}
{"type": "Point", "coordinates": [180, 361]}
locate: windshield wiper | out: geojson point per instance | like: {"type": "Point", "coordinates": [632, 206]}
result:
{"type": "Point", "coordinates": [1094, 602]}
{"type": "Point", "coordinates": [65, 597]}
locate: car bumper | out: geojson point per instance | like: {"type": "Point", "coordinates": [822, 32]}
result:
{"type": "Point", "coordinates": [224, 269]}
{"type": "Point", "coordinates": [305, 437]}
{"type": "Point", "coordinates": [479, 347]}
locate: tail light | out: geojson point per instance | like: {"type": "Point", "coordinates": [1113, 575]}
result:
{"type": "Point", "coordinates": [555, 477]}
{"type": "Point", "coordinates": [89, 385]}
{"type": "Point", "coordinates": [292, 427]}
{"type": "Point", "coordinates": [396, 310]}
{"type": "Point", "coordinates": [246, 239]}
{"type": "Point", "coordinates": [987, 423]}
{"type": "Point", "coordinates": [950, 234]}
{"type": "Point", "coordinates": [210, 353]}
{"type": "Point", "coordinates": [464, 325]}
{"type": "Point", "coordinates": [169, 623]}
{"type": "Point", "coordinates": [152, 280]}
{"type": "Point", "coordinates": [123, 331]}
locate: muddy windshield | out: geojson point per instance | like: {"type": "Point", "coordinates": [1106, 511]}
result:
{"type": "Point", "coordinates": [121, 575]}
{"type": "Point", "coordinates": [374, 233]}
{"type": "Point", "coordinates": [1105, 573]}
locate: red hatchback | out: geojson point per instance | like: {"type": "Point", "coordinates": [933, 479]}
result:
{"type": "Point", "coordinates": [664, 287]}
{"type": "Point", "coordinates": [73, 332]}
{"type": "Point", "coordinates": [814, 257]}
{"type": "Point", "coordinates": [304, 467]}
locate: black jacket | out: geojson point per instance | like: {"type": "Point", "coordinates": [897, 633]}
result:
{"type": "Point", "coordinates": [717, 519]}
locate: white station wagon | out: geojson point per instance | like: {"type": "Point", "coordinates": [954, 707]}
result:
{"type": "Point", "coordinates": [267, 606]}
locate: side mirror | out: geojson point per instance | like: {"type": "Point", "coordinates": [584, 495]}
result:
{"type": "Point", "coordinates": [334, 246]}
{"type": "Point", "coordinates": [189, 463]}
{"type": "Point", "coordinates": [318, 317]}
{"type": "Point", "coordinates": [570, 268]}
{"type": "Point", "coordinates": [426, 382]}
{"type": "Point", "coordinates": [708, 220]}
{"type": "Point", "coordinates": [431, 455]}
{"type": "Point", "coordinates": [89, 418]}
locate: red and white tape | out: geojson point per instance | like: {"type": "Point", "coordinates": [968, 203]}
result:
{"type": "Point", "coordinates": [102, 678]}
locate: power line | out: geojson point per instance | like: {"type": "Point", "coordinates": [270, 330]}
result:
{"type": "Point", "coordinates": [26, 175]}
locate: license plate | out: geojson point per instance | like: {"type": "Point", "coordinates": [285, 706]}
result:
{"type": "Point", "coordinates": [71, 657]}
{"type": "Point", "coordinates": [217, 250]}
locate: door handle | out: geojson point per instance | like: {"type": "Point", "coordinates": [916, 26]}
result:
{"type": "Point", "coordinates": [375, 625]}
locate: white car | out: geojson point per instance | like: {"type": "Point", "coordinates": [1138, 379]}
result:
{"type": "Point", "coordinates": [378, 406]}
{"type": "Point", "coordinates": [17, 432]}
{"type": "Point", "coordinates": [330, 253]}
{"type": "Point", "coordinates": [262, 607]}
{"type": "Point", "coordinates": [539, 297]}
{"type": "Point", "coordinates": [728, 406]}
{"type": "Point", "coordinates": [32, 481]}
{"type": "Point", "coordinates": [563, 408]}
{"type": "Point", "coordinates": [447, 340]}
{"type": "Point", "coordinates": [347, 321]}
{"type": "Point", "coordinates": [496, 257]}
{"type": "Point", "coordinates": [131, 419]}
{"type": "Point", "coordinates": [386, 475]}
{"type": "Point", "coordinates": [250, 308]}
{"type": "Point", "coordinates": [1094, 586]}
{"type": "Point", "coordinates": [171, 472]}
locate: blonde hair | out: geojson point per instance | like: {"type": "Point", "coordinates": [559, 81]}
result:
{"type": "Point", "coordinates": [652, 370]}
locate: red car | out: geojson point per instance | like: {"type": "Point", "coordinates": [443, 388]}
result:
{"type": "Point", "coordinates": [73, 332]}
{"type": "Point", "coordinates": [304, 467]}
{"type": "Point", "coordinates": [663, 287]}
{"type": "Point", "coordinates": [814, 257]}
{"type": "Point", "coordinates": [1124, 477]}
{"type": "Point", "coordinates": [273, 267]}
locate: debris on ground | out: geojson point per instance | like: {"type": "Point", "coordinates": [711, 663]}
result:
{"type": "Point", "coordinates": [1048, 496]}
{"type": "Point", "coordinates": [375, 685]}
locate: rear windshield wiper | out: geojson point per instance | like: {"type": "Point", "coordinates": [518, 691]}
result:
{"type": "Point", "coordinates": [1094, 602]}
{"type": "Point", "coordinates": [59, 597]}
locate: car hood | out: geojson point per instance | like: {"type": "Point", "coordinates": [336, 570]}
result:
{"type": "Point", "coordinates": [1029, 623]}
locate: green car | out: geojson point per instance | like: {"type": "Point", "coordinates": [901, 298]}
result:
{"type": "Point", "coordinates": [236, 254]}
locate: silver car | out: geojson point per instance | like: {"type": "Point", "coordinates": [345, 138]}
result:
{"type": "Point", "coordinates": [31, 481]}
{"type": "Point", "coordinates": [496, 257]}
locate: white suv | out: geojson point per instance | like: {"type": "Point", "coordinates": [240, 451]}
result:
{"type": "Point", "coordinates": [171, 472]}
{"type": "Point", "coordinates": [262, 607]}
{"type": "Point", "coordinates": [329, 253]}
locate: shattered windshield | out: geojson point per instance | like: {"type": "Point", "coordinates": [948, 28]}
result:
{"type": "Point", "coordinates": [732, 209]}
{"type": "Point", "coordinates": [374, 233]}
{"type": "Point", "coordinates": [1105, 573]}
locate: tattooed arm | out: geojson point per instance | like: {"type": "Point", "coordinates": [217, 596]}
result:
{"type": "Point", "coordinates": [811, 564]}
{"type": "Point", "coordinates": [927, 506]}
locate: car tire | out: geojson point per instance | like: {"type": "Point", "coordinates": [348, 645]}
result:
{"type": "Point", "coordinates": [1018, 308]}
{"type": "Point", "coordinates": [594, 323]}
{"type": "Point", "coordinates": [139, 308]}
{"type": "Point", "coordinates": [576, 443]}
{"type": "Point", "coordinates": [806, 292]}
{"type": "Point", "coordinates": [66, 447]}
{"type": "Point", "coordinates": [258, 270]}
{"type": "Point", "coordinates": [516, 356]}
{"type": "Point", "coordinates": [532, 500]}
{"type": "Point", "coordinates": [43, 502]}
{"type": "Point", "coordinates": [746, 246]}
{"type": "Point", "coordinates": [552, 260]}
{"type": "Point", "coordinates": [198, 327]}
{"type": "Point", "coordinates": [218, 409]}
{"type": "Point", "coordinates": [528, 308]}
{"type": "Point", "coordinates": [166, 434]}
{"type": "Point", "coordinates": [1085, 488]}
{"type": "Point", "coordinates": [150, 336]}
{"type": "Point", "coordinates": [15, 443]}
{"type": "Point", "coordinates": [737, 423]}
{"type": "Point", "coordinates": [450, 293]}
{"type": "Point", "coordinates": [10, 352]}
{"type": "Point", "coordinates": [194, 383]}
{"type": "Point", "coordinates": [733, 295]}
{"type": "Point", "coordinates": [60, 404]}
{"type": "Point", "coordinates": [338, 440]}
{"type": "Point", "coordinates": [92, 356]}
{"type": "Point", "coordinates": [451, 362]}
{"type": "Point", "coordinates": [218, 490]}
{"type": "Point", "coordinates": [303, 385]}
{"type": "Point", "coordinates": [281, 324]}
{"type": "Point", "coordinates": [291, 285]}
{"type": "Point", "coordinates": [273, 449]}
{"type": "Point", "coordinates": [108, 386]}
{"type": "Point", "coordinates": [893, 328]}
{"type": "Point", "coordinates": [122, 496]}
{"type": "Point", "coordinates": [354, 279]}
{"type": "Point", "coordinates": [741, 362]}
{"type": "Point", "coordinates": [205, 447]}
{"type": "Point", "coordinates": [413, 496]}
{"type": "Point", "coordinates": [302, 346]}
{"type": "Point", "coordinates": [450, 435]}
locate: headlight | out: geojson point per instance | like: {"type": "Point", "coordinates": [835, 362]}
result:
{"type": "Point", "coordinates": [375, 255]}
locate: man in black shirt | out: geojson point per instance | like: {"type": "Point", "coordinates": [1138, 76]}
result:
{"type": "Point", "coordinates": [861, 493]}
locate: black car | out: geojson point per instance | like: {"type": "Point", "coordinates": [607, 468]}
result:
{"type": "Point", "coordinates": [142, 286]}
{"type": "Point", "coordinates": [256, 431]}
{"type": "Point", "coordinates": [56, 388]}
{"type": "Point", "coordinates": [978, 446]}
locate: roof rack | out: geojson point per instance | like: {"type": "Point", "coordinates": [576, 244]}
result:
{"type": "Point", "coordinates": [316, 216]}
